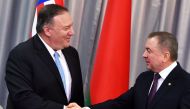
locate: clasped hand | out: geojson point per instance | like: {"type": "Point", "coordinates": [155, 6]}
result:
{"type": "Point", "coordinates": [73, 106]}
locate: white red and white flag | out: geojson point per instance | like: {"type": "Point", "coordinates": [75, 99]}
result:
{"type": "Point", "coordinates": [39, 5]}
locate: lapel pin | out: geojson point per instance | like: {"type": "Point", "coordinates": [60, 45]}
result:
{"type": "Point", "coordinates": [169, 84]}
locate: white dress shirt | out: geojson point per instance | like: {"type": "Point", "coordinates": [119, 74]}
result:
{"type": "Point", "coordinates": [164, 73]}
{"type": "Point", "coordinates": [67, 74]}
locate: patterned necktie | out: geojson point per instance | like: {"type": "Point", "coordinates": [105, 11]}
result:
{"type": "Point", "coordinates": [60, 68]}
{"type": "Point", "coordinates": [154, 87]}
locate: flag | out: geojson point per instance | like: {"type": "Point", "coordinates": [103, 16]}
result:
{"type": "Point", "coordinates": [39, 5]}
{"type": "Point", "coordinates": [110, 74]}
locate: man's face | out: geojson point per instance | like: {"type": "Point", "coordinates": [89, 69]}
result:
{"type": "Point", "coordinates": [153, 55]}
{"type": "Point", "coordinates": [60, 31]}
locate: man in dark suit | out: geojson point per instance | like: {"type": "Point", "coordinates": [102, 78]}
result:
{"type": "Point", "coordinates": [33, 77]}
{"type": "Point", "coordinates": [171, 90]}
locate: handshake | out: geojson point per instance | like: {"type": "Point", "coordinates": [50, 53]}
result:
{"type": "Point", "coordinates": [75, 106]}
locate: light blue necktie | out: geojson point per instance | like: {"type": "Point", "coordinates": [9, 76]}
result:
{"type": "Point", "coordinates": [60, 68]}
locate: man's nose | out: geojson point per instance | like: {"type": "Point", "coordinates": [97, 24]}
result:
{"type": "Point", "coordinates": [71, 32]}
{"type": "Point", "coordinates": [144, 54]}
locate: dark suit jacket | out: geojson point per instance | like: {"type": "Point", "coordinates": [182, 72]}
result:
{"type": "Point", "coordinates": [33, 79]}
{"type": "Point", "coordinates": [174, 93]}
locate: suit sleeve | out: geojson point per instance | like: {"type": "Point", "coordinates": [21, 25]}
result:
{"type": "Point", "coordinates": [19, 82]}
{"type": "Point", "coordinates": [185, 101]}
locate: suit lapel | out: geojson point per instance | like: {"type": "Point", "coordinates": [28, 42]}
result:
{"type": "Point", "coordinates": [47, 59]}
{"type": "Point", "coordinates": [68, 58]}
{"type": "Point", "coordinates": [166, 86]}
{"type": "Point", "coordinates": [147, 88]}
{"type": "Point", "coordinates": [142, 86]}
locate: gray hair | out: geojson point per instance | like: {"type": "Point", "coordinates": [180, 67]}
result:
{"type": "Point", "coordinates": [167, 40]}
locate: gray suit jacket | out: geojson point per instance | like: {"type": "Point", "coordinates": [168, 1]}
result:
{"type": "Point", "coordinates": [174, 93]}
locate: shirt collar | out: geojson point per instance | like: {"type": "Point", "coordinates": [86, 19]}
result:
{"type": "Point", "coordinates": [164, 73]}
{"type": "Point", "coordinates": [51, 51]}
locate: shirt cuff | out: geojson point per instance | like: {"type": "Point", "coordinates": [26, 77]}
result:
{"type": "Point", "coordinates": [85, 108]}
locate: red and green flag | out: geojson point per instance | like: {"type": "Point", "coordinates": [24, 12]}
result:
{"type": "Point", "coordinates": [110, 75]}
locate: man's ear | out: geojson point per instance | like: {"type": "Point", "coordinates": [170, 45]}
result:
{"type": "Point", "coordinates": [47, 30]}
{"type": "Point", "coordinates": [166, 56]}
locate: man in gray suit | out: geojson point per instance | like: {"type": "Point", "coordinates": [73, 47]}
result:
{"type": "Point", "coordinates": [171, 90]}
